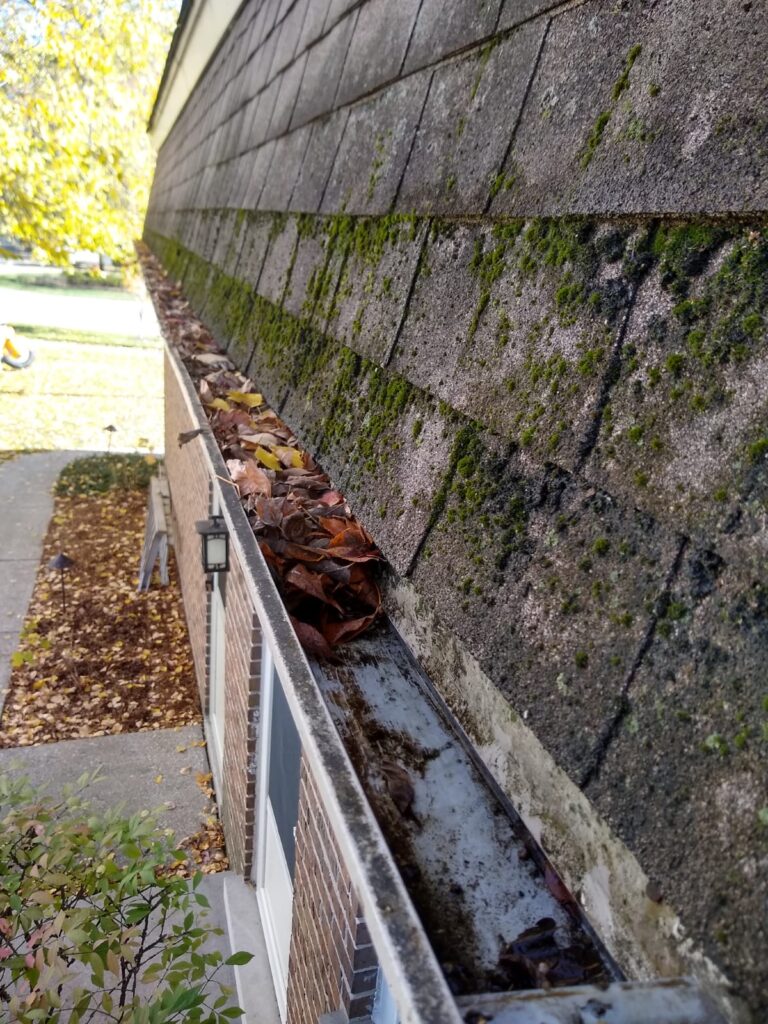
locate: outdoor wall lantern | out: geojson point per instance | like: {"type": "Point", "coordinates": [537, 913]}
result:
{"type": "Point", "coordinates": [215, 549]}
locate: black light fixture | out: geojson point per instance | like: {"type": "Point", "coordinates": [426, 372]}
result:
{"type": "Point", "coordinates": [62, 562]}
{"type": "Point", "coordinates": [110, 429]}
{"type": "Point", "coordinates": [215, 546]}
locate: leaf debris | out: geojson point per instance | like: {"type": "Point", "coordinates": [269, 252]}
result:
{"type": "Point", "coordinates": [320, 557]}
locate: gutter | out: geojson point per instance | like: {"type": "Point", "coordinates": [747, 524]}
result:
{"type": "Point", "coordinates": [413, 974]}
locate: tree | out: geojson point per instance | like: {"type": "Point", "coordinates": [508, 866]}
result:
{"type": "Point", "coordinates": [77, 83]}
{"type": "Point", "coordinates": [91, 928]}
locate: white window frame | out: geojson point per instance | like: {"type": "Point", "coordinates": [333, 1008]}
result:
{"type": "Point", "coordinates": [384, 1009]}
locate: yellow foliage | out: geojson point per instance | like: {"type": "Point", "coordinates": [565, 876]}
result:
{"type": "Point", "coordinates": [267, 458]}
{"type": "Point", "coordinates": [77, 83]}
{"type": "Point", "coordinates": [249, 399]}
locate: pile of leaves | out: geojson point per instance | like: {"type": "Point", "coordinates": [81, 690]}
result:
{"type": "Point", "coordinates": [321, 558]}
{"type": "Point", "coordinates": [113, 661]}
{"type": "Point", "coordinates": [205, 850]}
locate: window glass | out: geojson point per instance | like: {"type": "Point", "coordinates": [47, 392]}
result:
{"type": "Point", "coordinates": [284, 764]}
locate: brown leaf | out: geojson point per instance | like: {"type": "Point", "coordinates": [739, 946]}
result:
{"type": "Point", "coordinates": [269, 421]}
{"type": "Point", "coordinates": [298, 552]}
{"type": "Point", "coordinates": [331, 498]}
{"type": "Point", "coordinates": [354, 537]}
{"type": "Point", "coordinates": [342, 632]}
{"type": "Point", "coordinates": [312, 640]}
{"type": "Point", "coordinates": [333, 524]}
{"type": "Point", "coordinates": [347, 554]}
{"type": "Point", "coordinates": [234, 418]}
{"type": "Point", "coordinates": [248, 437]}
{"type": "Point", "coordinates": [311, 583]}
{"type": "Point", "coordinates": [365, 589]}
{"type": "Point", "coordinates": [399, 786]}
{"type": "Point", "coordinates": [250, 479]}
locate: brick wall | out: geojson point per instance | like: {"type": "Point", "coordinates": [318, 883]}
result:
{"type": "Point", "coordinates": [241, 697]}
{"type": "Point", "coordinates": [189, 484]}
{"type": "Point", "coordinates": [333, 965]}
{"type": "Point", "coordinates": [189, 480]}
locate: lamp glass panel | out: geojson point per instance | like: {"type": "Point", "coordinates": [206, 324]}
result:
{"type": "Point", "coordinates": [217, 550]}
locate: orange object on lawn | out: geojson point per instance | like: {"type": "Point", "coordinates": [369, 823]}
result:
{"type": "Point", "coordinates": [15, 352]}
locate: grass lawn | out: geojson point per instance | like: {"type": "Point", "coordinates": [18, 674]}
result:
{"type": "Point", "coordinates": [98, 361]}
{"type": "Point", "coordinates": [71, 392]}
{"type": "Point", "coordinates": [34, 331]}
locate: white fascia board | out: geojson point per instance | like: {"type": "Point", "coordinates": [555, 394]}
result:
{"type": "Point", "coordinates": [208, 23]}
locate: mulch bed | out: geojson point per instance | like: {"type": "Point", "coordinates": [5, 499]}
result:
{"type": "Point", "coordinates": [116, 660]}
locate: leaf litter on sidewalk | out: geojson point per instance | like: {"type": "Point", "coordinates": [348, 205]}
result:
{"type": "Point", "coordinates": [320, 557]}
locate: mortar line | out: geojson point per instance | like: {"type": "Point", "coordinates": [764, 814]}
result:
{"type": "Point", "coordinates": [610, 377]}
{"type": "Point", "coordinates": [416, 131]}
{"type": "Point", "coordinates": [332, 164]}
{"type": "Point", "coordinates": [410, 39]}
{"type": "Point", "coordinates": [610, 731]}
{"type": "Point", "coordinates": [409, 296]}
{"type": "Point", "coordinates": [519, 118]}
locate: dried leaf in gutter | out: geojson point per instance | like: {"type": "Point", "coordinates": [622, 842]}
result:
{"type": "Point", "coordinates": [312, 583]}
{"type": "Point", "coordinates": [267, 458]}
{"type": "Point", "coordinates": [249, 478]}
{"type": "Point", "coordinates": [260, 439]}
{"type": "Point", "coordinates": [219, 403]}
{"type": "Point", "coordinates": [399, 787]}
{"type": "Point", "coordinates": [290, 458]}
{"type": "Point", "coordinates": [250, 400]}
{"type": "Point", "coordinates": [320, 557]}
{"type": "Point", "coordinates": [212, 359]}
{"type": "Point", "coordinates": [312, 640]}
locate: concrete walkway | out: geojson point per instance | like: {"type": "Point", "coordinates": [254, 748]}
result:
{"type": "Point", "coordinates": [138, 770]}
{"type": "Point", "coordinates": [26, 503]}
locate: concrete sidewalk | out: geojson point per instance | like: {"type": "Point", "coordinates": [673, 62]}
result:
{"type": "Point", "coordinates": [26, 503]}
{"type": "Point", "coordinates": [138, 770]}
{"type": "Point", "coordinates": [143, 770]}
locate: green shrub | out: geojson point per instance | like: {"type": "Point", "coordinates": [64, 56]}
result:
{"type": "Point", "coordinates": [90, 927]}
{"type": "Point", "coordinates": [96, 474]}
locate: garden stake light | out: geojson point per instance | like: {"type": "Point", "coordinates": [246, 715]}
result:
{"type": "Point", "coordinates": [110, 431]}
{"type": "Point", "coordinates": [62, 563]}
